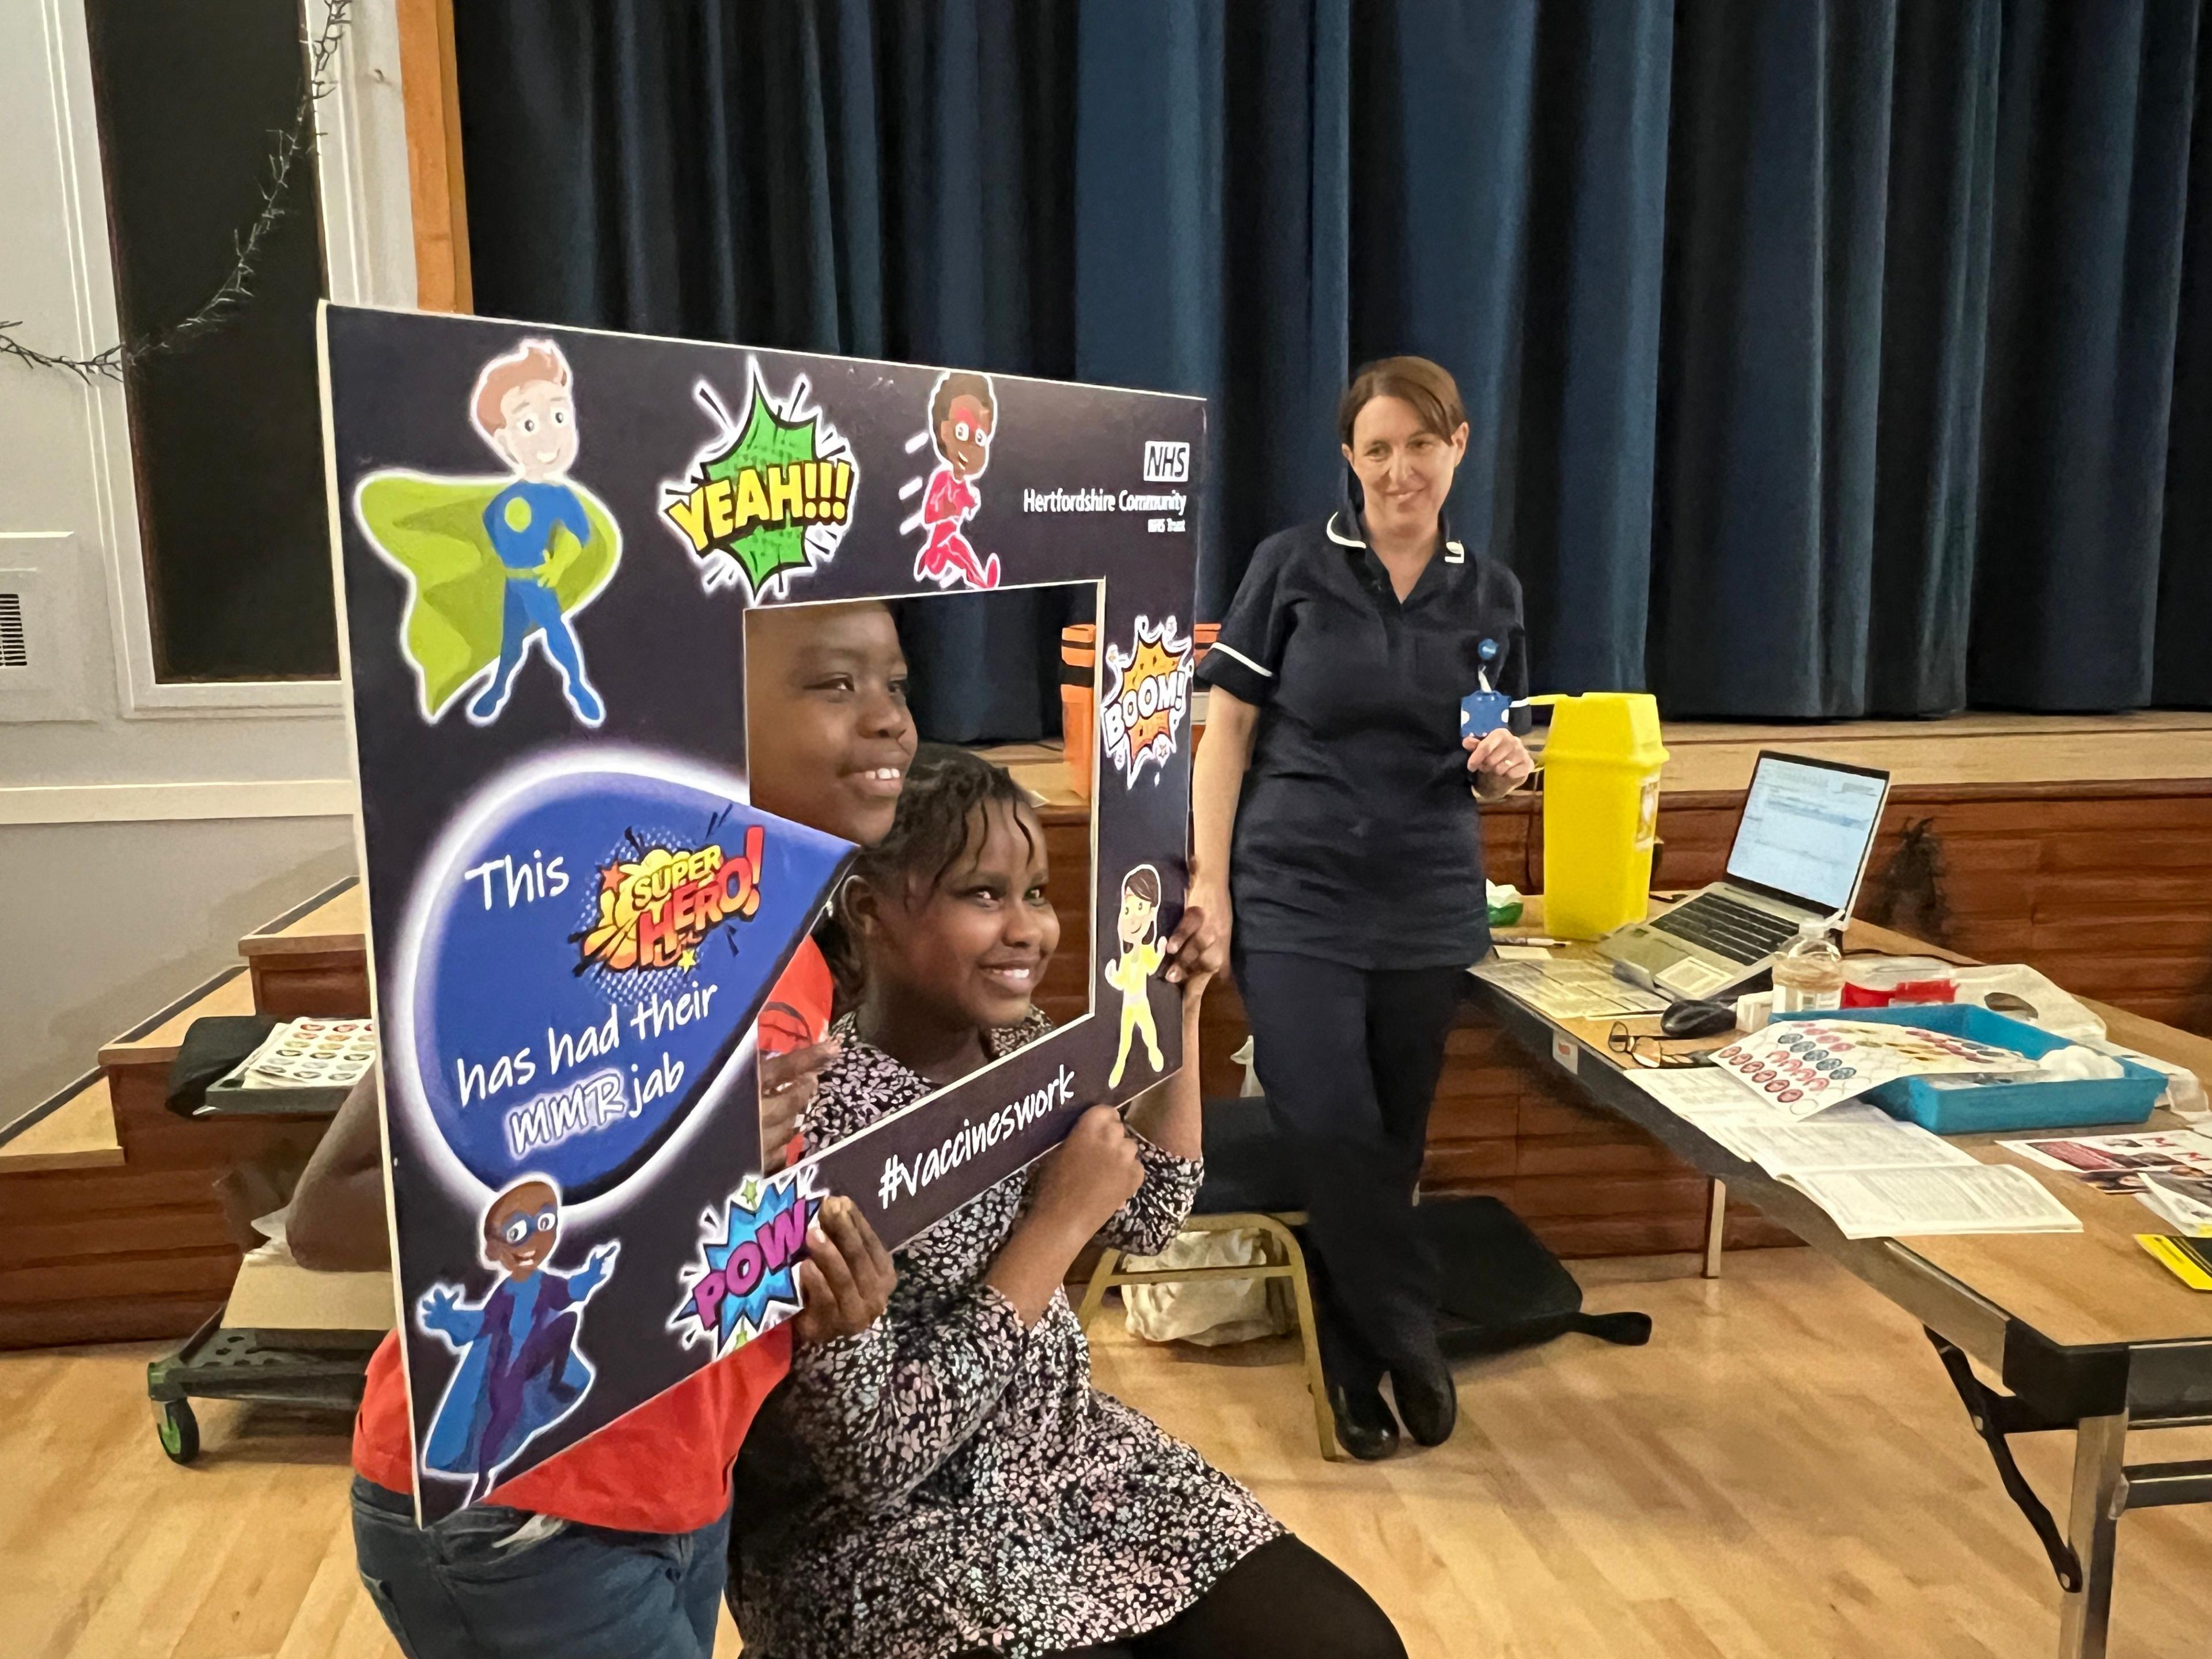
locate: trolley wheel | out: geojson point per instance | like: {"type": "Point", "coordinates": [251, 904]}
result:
{"type": "Point", "coordinates": [179, 1430]}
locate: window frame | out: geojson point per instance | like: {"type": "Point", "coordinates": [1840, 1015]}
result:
{"type": "Point", "coordinates": [368, 258]}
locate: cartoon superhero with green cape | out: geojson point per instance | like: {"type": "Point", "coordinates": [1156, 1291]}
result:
{"type": "Point", "coordinates": [494, 563]}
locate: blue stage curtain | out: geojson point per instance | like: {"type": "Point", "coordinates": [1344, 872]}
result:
{"type": "Point", "coordinates": [1832, 358]}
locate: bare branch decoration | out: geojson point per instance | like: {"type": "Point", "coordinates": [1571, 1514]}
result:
{"type": "Point", "coordinates": [237, 286]}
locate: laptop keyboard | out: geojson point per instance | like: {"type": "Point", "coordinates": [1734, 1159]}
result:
{"type": "Point", "coordinates": [1738, 931]}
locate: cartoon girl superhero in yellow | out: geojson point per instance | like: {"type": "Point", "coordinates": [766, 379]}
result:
{"type": "Point", "coordinates": [1140, 958]}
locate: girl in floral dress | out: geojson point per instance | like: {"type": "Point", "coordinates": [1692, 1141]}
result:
{"type": "Point", "coordinates": [963, 1489]}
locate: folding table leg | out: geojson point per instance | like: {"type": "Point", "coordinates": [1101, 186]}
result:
{"type": "Point", "coordinates": [1716, 1226]}
{"type": "Point", "coordinates": [2092, 1525]}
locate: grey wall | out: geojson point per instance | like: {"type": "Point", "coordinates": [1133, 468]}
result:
{"type": "Point", "coordinates": [104, 923]}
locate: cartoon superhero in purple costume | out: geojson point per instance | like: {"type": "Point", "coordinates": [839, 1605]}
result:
{"type": "Point", "coordinates": [520, 1372]}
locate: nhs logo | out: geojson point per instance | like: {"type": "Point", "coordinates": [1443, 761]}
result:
{"type": "Point", "coordinates": [1166, 462]}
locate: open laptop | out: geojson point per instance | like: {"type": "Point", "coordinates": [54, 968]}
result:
{"type": "Point", "coordinates": [1800, 852]}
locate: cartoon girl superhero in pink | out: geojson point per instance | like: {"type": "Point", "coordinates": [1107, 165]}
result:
{"type": "Point", "coordinates": [961, 414]}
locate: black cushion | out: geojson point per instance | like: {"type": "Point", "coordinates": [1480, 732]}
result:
{"type": "Point", "coordinates": [1245, 1169]}
{"type": "Point", "coordinates": [211, 1047]}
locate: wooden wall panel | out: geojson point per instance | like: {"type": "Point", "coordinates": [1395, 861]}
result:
{"type": "Point", "coordinates": [147, 1248]}
{"type": "Point", "coordinates": [2036, 873]}
{"type": "Point", "coordinates": [110, 1254]}
{"type": "Point", "coordinates": [321, 986]}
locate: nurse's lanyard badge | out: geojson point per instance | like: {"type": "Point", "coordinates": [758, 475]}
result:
{"type": "Point", "coordinates": [1482, 712]}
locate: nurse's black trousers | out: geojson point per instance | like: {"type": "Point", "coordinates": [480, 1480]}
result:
{"type": "Point", "coordinates": [1349, 1058]}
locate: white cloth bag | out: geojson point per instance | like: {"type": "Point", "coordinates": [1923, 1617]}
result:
{"type": "Point", "coordinates": [1209, 1312]}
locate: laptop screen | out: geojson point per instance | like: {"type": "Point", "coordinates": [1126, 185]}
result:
{"type": "Point", "coordinates": [1806, 829]}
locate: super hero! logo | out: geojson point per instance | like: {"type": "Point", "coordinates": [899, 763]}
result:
{"type": "Point", "coordinates": [656, 910]}
{"type": "Point", "coordinates": [1144, 707]}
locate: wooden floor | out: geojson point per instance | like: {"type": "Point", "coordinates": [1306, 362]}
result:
{"type": "Point", "coordinates": [1783, 1472]}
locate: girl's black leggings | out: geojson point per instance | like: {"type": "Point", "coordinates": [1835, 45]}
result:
{"type": "Point", "coordinates": [1282, 1601]}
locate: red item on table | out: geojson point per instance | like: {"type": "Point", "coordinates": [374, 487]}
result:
{"type": "Point", "coordinates": [1910, 979]}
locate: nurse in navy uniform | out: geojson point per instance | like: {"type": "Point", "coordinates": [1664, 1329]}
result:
{"type": "Point", "coordinates": [1339, 837]}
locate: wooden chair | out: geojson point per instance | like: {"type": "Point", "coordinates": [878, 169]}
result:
{"type": "Point", "coordinates": [1246, 1188]}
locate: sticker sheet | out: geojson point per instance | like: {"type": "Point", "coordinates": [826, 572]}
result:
{"type": "Point", "coordinates": [548, 544]}
{"type": "Point", "coordinates": [1806, 1065]}
{"type": "Point", "coordinates": [311, 1054]}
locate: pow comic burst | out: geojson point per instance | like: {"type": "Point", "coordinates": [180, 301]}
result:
{"type": "Point", "coordinates": [745, 1280]}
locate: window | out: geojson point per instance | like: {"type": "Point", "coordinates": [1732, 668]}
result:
{"type": "Point", "coordinates": [225, 429]}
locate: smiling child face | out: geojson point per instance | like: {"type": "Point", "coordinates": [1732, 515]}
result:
{"type": "Point", "coordinates": [538, 429]}
{"type": "Point", "coordinates": [829, 735]}
{"type": "Point", "coordinates": [964, 438]}
{"type": "Point", "coordinates": [522, 1227]}
{"type": "Point", "coordinates": [974, 947]}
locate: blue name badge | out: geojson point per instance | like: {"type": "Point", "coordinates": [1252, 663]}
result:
{"type": "Point", "coordinates": [1481, 713]}
{"type": "Point", "coordinates": [590, 962]}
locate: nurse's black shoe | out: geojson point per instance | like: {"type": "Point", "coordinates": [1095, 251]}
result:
{"type": "Point", "coordinates": [1364, 1427]}
{"type": "Point", "coordinates": [1428, 1400]}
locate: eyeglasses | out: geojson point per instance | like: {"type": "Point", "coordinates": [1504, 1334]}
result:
{"type": "Point", "coordinates": [1622, 1041]}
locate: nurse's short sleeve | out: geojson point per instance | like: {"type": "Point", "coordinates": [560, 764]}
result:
{"type": "Point", "coordinates": [1244, 660]}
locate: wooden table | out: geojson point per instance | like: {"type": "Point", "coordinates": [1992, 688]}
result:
{"type": "Point", "coordinates": [2081, 1330]}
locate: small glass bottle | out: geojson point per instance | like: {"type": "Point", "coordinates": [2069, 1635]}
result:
{"type": "Point", "coordinates": [1809, 976]}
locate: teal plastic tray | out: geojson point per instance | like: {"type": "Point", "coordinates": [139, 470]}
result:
{"type": "Point", "coordinates": [2001, 1108]}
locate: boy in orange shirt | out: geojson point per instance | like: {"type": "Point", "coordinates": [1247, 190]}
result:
{"type": "Point", "coordinates": [617, 1545]}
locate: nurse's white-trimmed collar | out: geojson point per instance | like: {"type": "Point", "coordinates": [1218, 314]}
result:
{"type": "Point", "coordinates": [1453, 552]}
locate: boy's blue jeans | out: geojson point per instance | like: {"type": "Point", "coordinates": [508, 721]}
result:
{"type": "Point", "coordinates": [460, 1591]}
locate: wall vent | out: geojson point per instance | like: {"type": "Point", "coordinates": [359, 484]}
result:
{"type": "Point", "coordinates": [44, 648]}
{"type": "Point", "coordinates": [15, 641]}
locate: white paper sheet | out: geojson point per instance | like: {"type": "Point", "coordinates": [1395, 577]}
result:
{"type": "Point", "coordinates": [1697, 1092]}
{"type": "Point", "coordinates": [1820, 1147]}
{"type": "Point", "coordinates": [1705, 1095]}
{"type": "Point", "coordinates": [1980, 1198]}
{"type": "Point", "coordinates": [1569, 987]}
{"type": "Point", "coordinates": [309, 1053]}
{"type": "Point", "coordinates": [2183, 1202]}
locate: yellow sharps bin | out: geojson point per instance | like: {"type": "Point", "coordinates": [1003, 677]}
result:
{"type": "Point", "coordinates": [1602, 764]}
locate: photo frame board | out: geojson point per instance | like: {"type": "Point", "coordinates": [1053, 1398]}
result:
{"type": "Point", "coordinates": [547, 540]}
